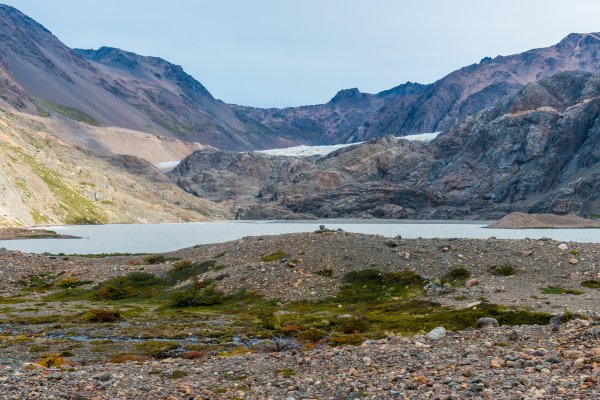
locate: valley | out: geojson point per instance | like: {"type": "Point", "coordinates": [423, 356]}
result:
{"type": "Point", "coordinates": [199, 249]}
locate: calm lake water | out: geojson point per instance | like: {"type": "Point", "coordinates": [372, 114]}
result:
{"type": "Point", "coordinates": [151, 238]}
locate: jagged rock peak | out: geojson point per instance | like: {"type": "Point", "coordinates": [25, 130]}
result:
{"type": "Point", "coordinates": [352, 94]}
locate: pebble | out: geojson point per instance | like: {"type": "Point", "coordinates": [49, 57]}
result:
{"type": "Point", "coordinates": [436, 333]}
{"type": "Point", "coordinates": [487, 322]}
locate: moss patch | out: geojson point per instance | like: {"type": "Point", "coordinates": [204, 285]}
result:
{"type": "Point", "coordinates": [591, 284]}
{"type": "Point", "coordinates": [73, 113]}
{"type": "Point", "coordinates": [559, 290]}
{"type": "Point", "coordinates": [278, 255]}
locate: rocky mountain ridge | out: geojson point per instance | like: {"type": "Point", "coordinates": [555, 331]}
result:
{"type": "Point", "coordinates": [449, 101]}
{"type": "Point", "coordinates": [537, 151]}
{"type": "Point", "coordinates": [113, 87]}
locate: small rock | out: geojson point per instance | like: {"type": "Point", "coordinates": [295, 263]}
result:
{"type": "Point", "coordinates": [563, 247]}
{"type": "Point", "coordinates": [487, 322]}
{"type": "Point", "coordinates": [103, 377]}
{"type": "Point", "coordinates": [555, 322]}
{"type": "Point", "coordinates": [472, 282]}
{"type": "Point", "coordinates": [579, 363]}
{"type": "Point", "coordinates": [572, 354]}
{"type": "Point", "coordinates": [436, 333]}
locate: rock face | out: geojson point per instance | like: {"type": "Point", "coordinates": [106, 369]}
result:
{"type": "Point", "coordinates": [538, 151]}
{"type": "Point", "coordinates": [449, 101]}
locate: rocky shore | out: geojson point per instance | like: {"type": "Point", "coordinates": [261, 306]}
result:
{"type": "Point", "coordinates": [528, 362]}
{"type": "Point", "coordinates": [25, 233]}
{"type": "Point", "coordinates": [329, 315]}
{"type": "Point", "coordinates": [518, 220]}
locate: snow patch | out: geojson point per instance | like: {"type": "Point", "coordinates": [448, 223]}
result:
{"type": "Point", "coordinates": [166, 166]}
{"type": "Point", "coordinates": [309, 151]}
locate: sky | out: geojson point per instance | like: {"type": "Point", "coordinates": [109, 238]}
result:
{"type": "Point", "coordinates": [279, 53]}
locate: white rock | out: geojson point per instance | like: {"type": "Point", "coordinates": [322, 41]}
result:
{"type": "Point", "coordinates": [436, 333]}
{"type": "Point", "coordinates": [563, 246]}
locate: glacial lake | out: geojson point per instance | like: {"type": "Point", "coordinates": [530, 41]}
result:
{"type": "Point", "coordinates": [154, 238]}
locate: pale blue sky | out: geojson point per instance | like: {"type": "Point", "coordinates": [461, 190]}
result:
{"type": "Point", "coordinates": [287, 53]}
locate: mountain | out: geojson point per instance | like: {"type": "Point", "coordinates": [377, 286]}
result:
{"type": "Point", "coordinates": [45, 181]}
{"type": "Point", "coordinates": [327, 123]}
{"type": "Point", "coordinates": [537, 151]}
{"type": "Point", "coordinates": [113, 87]}
{"type": "Point", "coordinates": [447, 102]}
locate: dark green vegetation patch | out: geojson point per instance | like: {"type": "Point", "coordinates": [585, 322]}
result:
{"type": "Point", "coordinates": [559, 290]}
{"type": "Point", "coordinates": [591, 284]}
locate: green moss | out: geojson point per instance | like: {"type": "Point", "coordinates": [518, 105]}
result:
{"type": "Point", "coordinates": [278, 255]}
{"type": "Point", "coordinates": [70, 282]}
{"type": "Point", "coordinates": [286, 372]}
{"type": "Point", "coordinates": [39, 219]}
{"type": "Point", "coordinates": [372, 285]}
{"type": "Point", "coordinates": [177, 374]}
{"type": "Point", "coordinates": [69, 112]}
{"type": "Point", "coordinates": [592, 284]}
{"type": "Point", "coordinates": [328, 273]}
{"type": "Point", "coordinates": [559, 290]}
{"type": "Point", "coordinates": [456, 276]}
{"type": "Point", "coordinates": [506, 270]}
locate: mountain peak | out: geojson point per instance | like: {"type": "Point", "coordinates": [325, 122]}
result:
{"type": "Point", "coordinates": [579, 40]}
{"type": "Point", "coordinates": [348, 95]}
{"type": "Point", "coordinates": [10, 17]}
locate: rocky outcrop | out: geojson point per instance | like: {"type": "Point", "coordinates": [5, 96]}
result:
{"type": "Point", "coordinates": [517, 220]}
{"type": "Point", "coordinates": [538, 151]}
{"type": "Point", "coordinates": [449, 101]}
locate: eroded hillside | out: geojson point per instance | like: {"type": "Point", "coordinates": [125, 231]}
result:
{"type": "Point", "coordinates": [44, 181]}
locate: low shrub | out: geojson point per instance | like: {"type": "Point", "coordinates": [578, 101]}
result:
{"type": "Point", "coordinates": [130, 285]}
{"type": "Point", "coordinates": [70, 282]}
{"type": "Point", "coordinates": [192, 296]}
{"type": "Point", "coordinates": [506, 270]}
{"type": "Point", "coordinates": [102, 315]}
{"type": "Point", "coordinates": [155, 259]}
{"type": "Point", "coordinates": [52, 360]}
{"type": "Point", "coordinates": [591, 284]}
{"type": "Point", "coordinates": [156, 348]}
{"type": "Point", "coordinates": [122, 358]}
{"type": "Point", "coordinates": [346, 340]}
{"type": "Point", "coordinates": [186, 269]}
